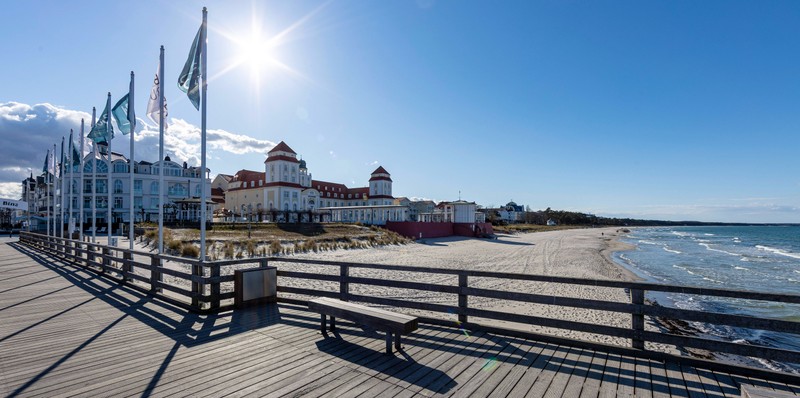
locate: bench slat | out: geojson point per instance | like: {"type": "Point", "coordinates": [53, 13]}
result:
{"type": "Point", "coordinates": [377, 318]}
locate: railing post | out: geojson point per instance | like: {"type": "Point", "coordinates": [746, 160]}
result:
{"type": "Point", "coordinates": [197, 287]}
{"type": "Point", "coordinates": [127, 267]}
{"type": "Point", "coordinates": [263, 263]}
{"type": "Point", "coordinates": [637, 318]}
{"type": "Point", "coordinates": [462, 298]}
{"type": "Point", "coordinates": [155, 274]}
{"type": "Point", "coordinates": [215, 286]}
{"type": "Point", "coordinates": [344, 282]}
{"type": "Point", "coordinates": [89, 254]}
{"type": "Point", "coordinates": [80, 253]}
{"type": "Point", "coordinates": [106, 259]}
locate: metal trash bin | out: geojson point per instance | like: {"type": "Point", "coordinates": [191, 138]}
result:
{"type": "Point", "coordinates": [255, 286]}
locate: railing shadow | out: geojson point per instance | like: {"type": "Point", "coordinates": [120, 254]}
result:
{"type": "Point", "coordinates": [163, 317]}
{"type": "Point", "coordinates": [182, 326]}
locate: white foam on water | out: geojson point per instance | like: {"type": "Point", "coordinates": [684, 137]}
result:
{"type": "Point", "coordinates": [708, 247]}
{"type": "Point", "coordinates": [709, 235]}
{"type": "Point", "coordinates": [667, 249]}
{"type": "Point", "coordinates": [778, 251]}
{"type": "Point", "coordinates": [740, 268]}
{"type": "Point", "coordinates": [681, 233]}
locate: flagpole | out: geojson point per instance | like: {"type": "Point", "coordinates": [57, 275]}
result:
{"type": "Point", "coordinates": [161, 152]}
{"type": "Point", "coordinates": [109, 200]}
{"type": "Point", "coordinates": [204, 94]}
{"type": "Point", "coordinates": [80, 186]}
{"type": "Point", "coordinates": [70, 183]}
{"type": "Point", "coordinates": [47, 190]}
{"type": "Point", "coordinates": [61, 193]}
{"type": "Point", "coordinates": [54, 182]}
{"type": "Point", "coordinates": [94, 180]}
{"type": "Point", "coordinates": [132, 164]}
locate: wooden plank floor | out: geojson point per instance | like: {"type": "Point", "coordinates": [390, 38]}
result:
{"type": "Point", "coordinates": [68, 332]}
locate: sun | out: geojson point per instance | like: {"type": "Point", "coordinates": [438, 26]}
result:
{"type": "Point", "coordinates": [261, 52]}
{"type": "Point", "coordinates": [256, 52]}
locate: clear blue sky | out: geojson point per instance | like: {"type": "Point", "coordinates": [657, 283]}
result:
{"type": "Point", "coordinates": [679, 110]}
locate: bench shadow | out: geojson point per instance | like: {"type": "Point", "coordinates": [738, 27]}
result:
{"type": "Point", "coordinates": [393, 366]}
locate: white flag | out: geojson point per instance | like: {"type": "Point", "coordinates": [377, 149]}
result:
{"type": "Point", "coordinates": [152, 104]}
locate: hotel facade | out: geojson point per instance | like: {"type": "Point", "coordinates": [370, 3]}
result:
{"type": "Point", "coordinates": [82, 191]}
{"type": "Point", "coordinates": [287, 192]}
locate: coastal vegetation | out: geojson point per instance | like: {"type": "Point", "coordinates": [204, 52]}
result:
{"type": "Point", "coordinates": [243, 240]}
{"type": "Point", "coordinates": [531, 219]}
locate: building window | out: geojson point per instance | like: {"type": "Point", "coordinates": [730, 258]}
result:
{"type": "Point", "coordinates": [117, 186]}
{"type": "Point", "coordinates": [137, 186]}
{"type": "Point", "coordinates": [117, 203]}
{"type": "Point", "coordinates": [154, 187]}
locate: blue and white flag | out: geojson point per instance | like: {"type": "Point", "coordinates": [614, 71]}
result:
{"type": "Point", "coordinates": [189, 80]}
{"type": "Point", "coordinates": [121, 112]}
{"type": "Point", "coordinates": [102, 131]}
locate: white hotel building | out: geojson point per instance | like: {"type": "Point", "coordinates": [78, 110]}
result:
{"type": "Point", "coordinates": [286, 192]}
{"type": "Point", "coordinates": [181, 189]}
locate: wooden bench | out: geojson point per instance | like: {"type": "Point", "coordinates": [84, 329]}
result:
{"type": "Point", "coordinates": [382, 320]}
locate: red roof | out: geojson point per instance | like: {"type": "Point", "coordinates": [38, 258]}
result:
{"type": "Point", "coordinates": [282, 147]}
{"type": "Point", "coordinates": [340, 190]}
{"type": "Point", "coordinates": [380, 170]}
{"type": "Point", "coordinates": [246, 176]}
{"type": "Point", "coordinates": [324, 186]}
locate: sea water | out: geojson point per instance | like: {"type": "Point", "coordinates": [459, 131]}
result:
{"type": "Point", "coordinates": [754, 258]}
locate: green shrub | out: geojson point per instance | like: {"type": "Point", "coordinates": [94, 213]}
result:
{"type": "Point", "coordinates": [189, 250]}
{"type": "Point", "coordinates": [250, 246]}
{"type": "Point", "coordinates": [174, 245]}
{"type": "Point", "coordinates": [227, 250]}
{"type": "Point", "coordinates": [275, 247]}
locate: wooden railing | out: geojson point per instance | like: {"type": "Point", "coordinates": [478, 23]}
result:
{"type": "Point", "coordinates": [198, 287]}
{"type": "Point", "coordinates": [211, 290]}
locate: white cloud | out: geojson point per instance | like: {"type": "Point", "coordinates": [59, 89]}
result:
{"type": "Point", "coordinates": [11, 190]}
{"type": "Point", "coordinates": [29, 130]}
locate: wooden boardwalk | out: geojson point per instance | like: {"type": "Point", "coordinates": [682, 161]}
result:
{"type": "Point", "coordinates": [69, 332]}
